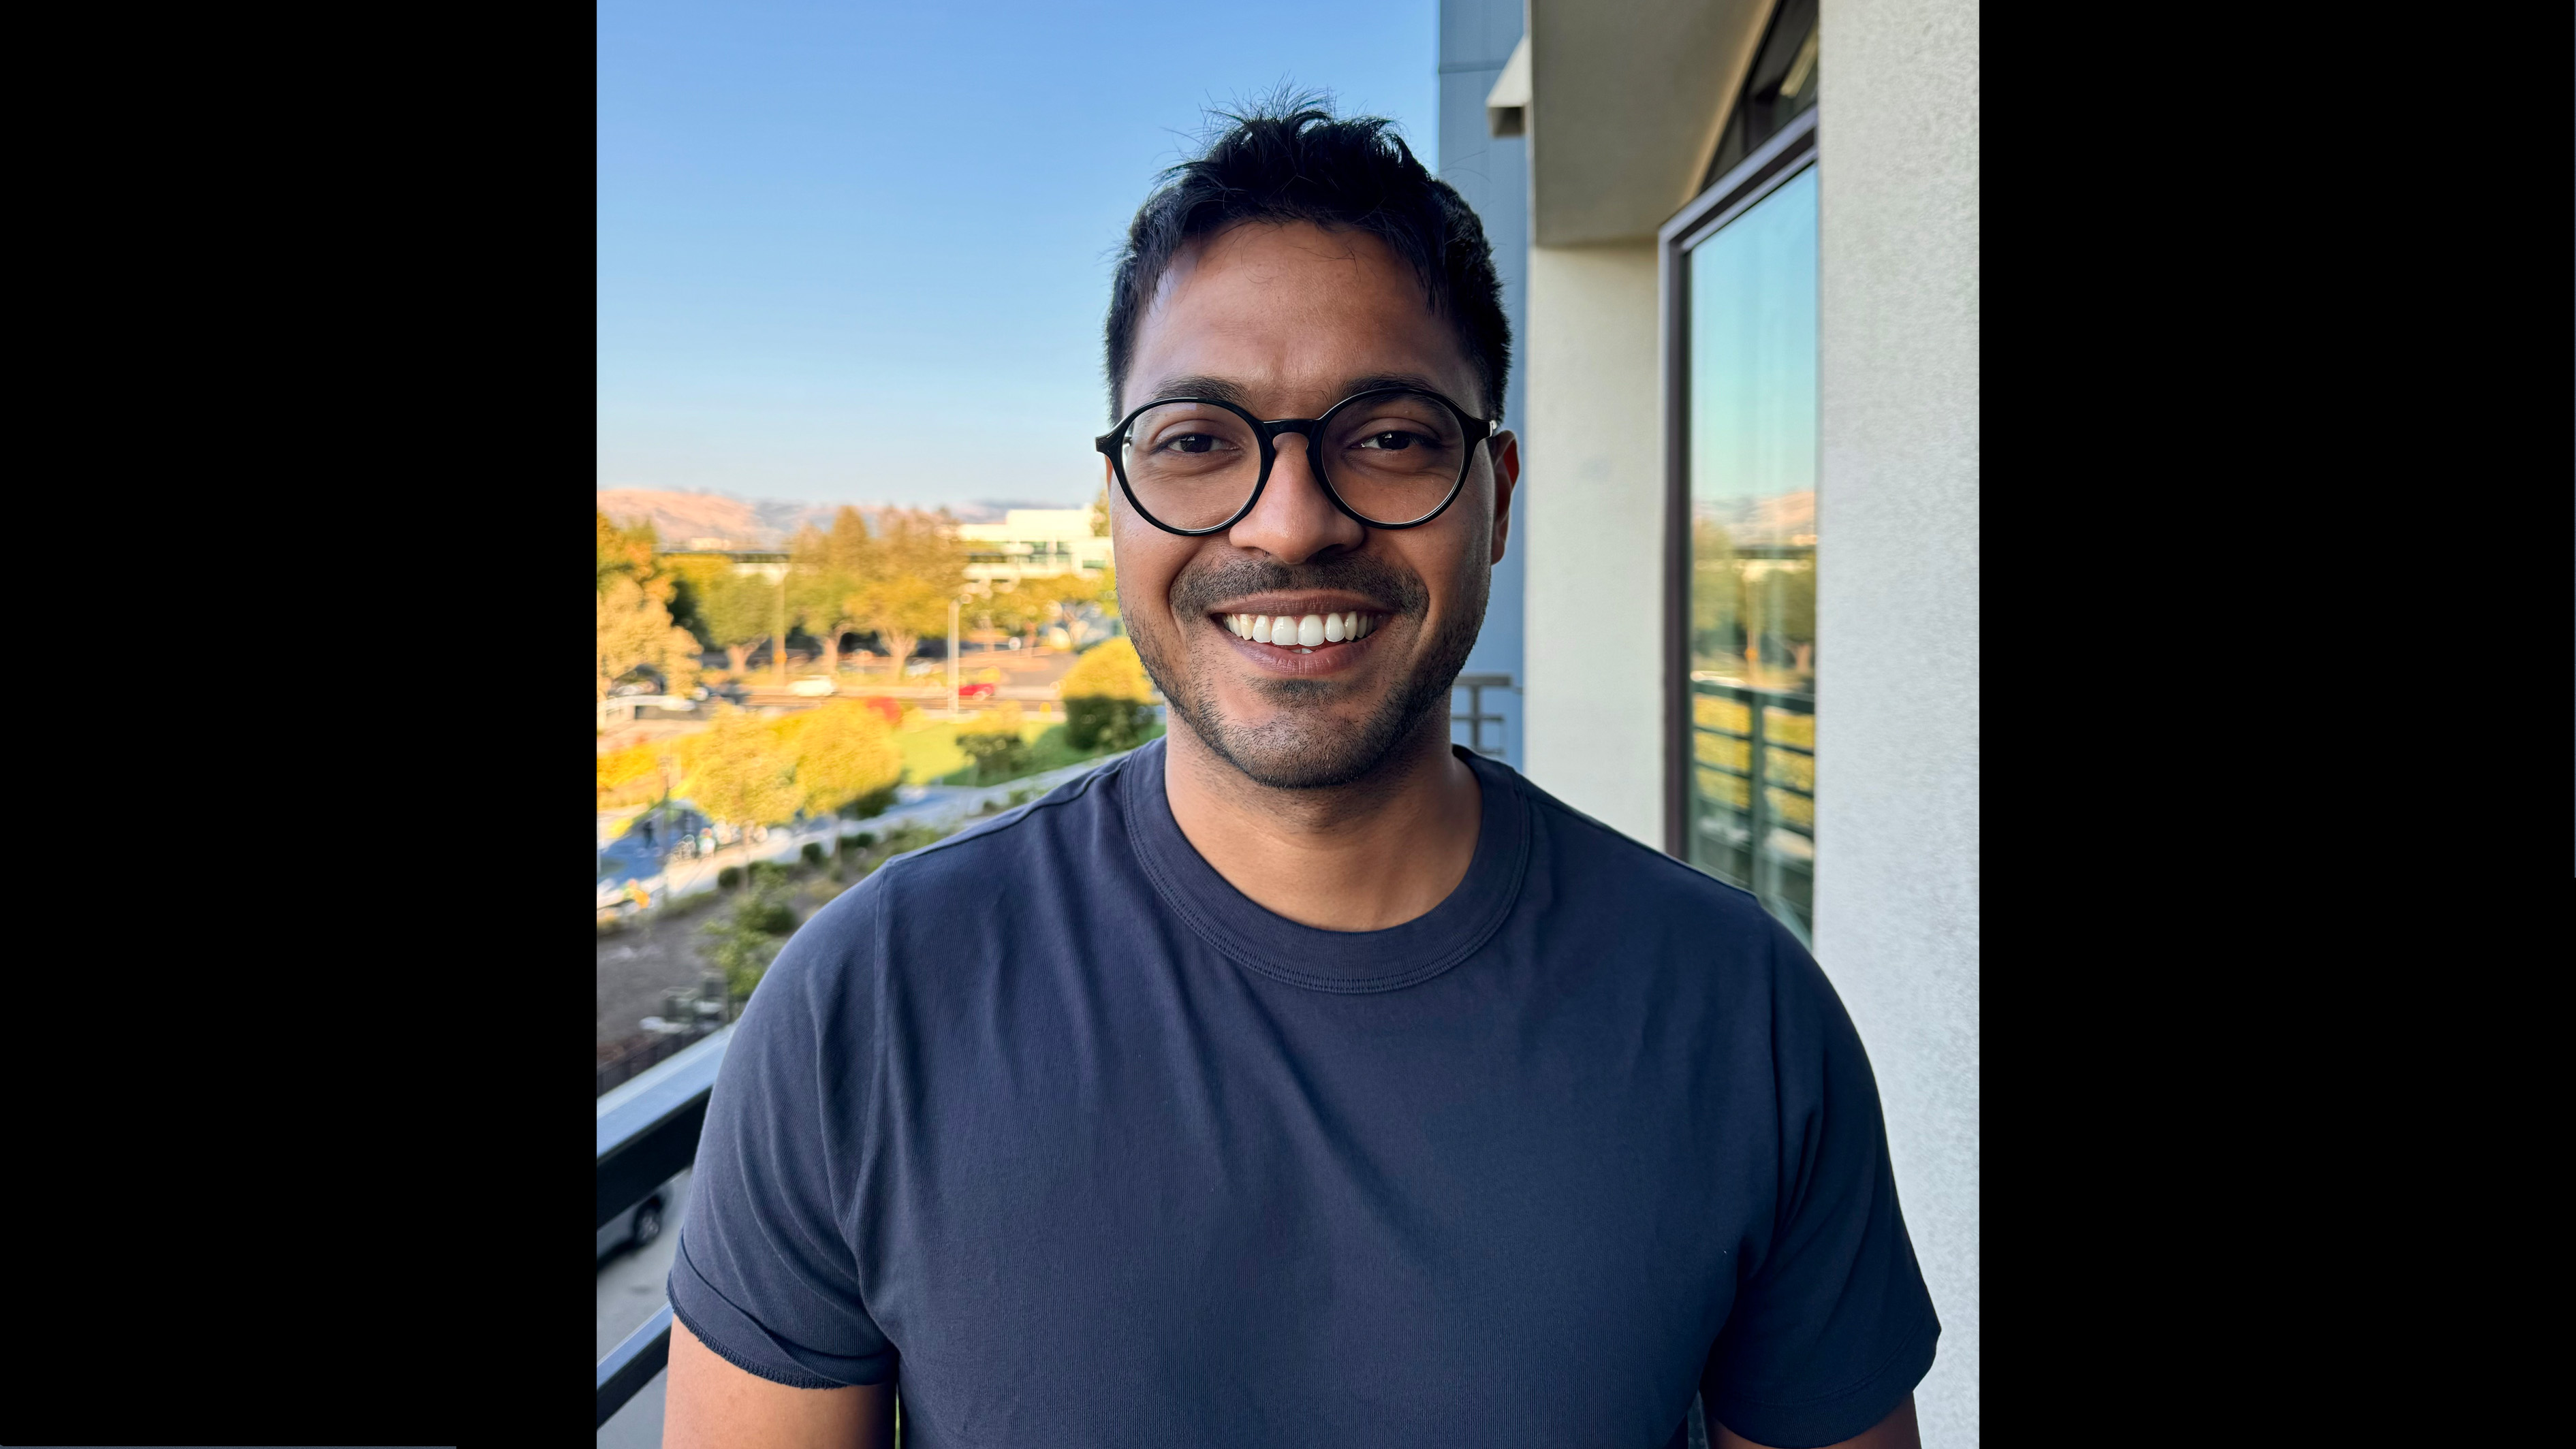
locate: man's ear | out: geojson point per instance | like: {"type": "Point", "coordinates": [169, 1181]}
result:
{"type": "Point", "coordinates": [1506, 453]}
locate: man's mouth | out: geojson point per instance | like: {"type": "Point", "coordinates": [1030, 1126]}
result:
{"type": "Point", "coordinates": [1301, 633]}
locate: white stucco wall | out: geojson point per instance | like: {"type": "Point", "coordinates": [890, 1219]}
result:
{"type": "Point", "coordinates": [1593, 498]}
{"type": "Point", "coordinates": [1896, 662]}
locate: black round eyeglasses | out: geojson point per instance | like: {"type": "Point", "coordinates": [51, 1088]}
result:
{"type": "Point", "coordinates": [1389, 457]}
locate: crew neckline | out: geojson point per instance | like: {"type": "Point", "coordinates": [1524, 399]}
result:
{"type": "Point", "coordinates": [1345, 961]}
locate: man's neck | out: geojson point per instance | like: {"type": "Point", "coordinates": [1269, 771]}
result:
{"type": "Point", "coordinates": [1359, 857]}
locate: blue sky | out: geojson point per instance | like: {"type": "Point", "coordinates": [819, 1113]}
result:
{"type": "Point", "coordinates": [861, 251]}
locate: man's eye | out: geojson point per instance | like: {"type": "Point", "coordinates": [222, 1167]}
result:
{"type": "Point", "coordinates": [1391, 441]}
{"type": "Point", "coordinates": [1191, 443]}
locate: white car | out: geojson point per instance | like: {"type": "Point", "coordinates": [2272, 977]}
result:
{"type": "Point", "coordinates": [811, 685]}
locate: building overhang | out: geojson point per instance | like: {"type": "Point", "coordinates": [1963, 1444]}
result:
{"type": "Point", "coordinates": [1625, 98]}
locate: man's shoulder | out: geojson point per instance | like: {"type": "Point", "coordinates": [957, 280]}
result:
{"type": "Point", "coordinates": [975, 881]}
{"type": "Point", "coordinates": [1035, 834]}
{"type": "Point", "coordinates": [1593, 859]}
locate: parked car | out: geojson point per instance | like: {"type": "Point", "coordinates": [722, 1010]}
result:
{"type": "Point", "coordinates": [812, 685]}
{"type": "Point", "coordinates": [641, 1223]}
{"type": "Point", "coordinates": [980, 689]}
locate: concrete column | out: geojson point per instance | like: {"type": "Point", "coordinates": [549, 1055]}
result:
{"type": "Point", "coordinates": [1897, 657]}
{"type": "Point", "coordinates": [1593, 494]}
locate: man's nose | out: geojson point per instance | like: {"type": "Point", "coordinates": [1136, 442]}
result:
{"type": "Point", "coordinates": [1295, 519]}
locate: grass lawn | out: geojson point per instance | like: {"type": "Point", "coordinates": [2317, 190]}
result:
{"type": "Point", "coordinates": [931, 756]}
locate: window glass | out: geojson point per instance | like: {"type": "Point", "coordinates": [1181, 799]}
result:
{"type": "Point", "coordinates": [1752, 618]}
{"type": "Point", "coordinates": [1781, 85]}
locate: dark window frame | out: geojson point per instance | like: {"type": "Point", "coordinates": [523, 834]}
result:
{"type": "Point", "coordinates": [1770, 166]}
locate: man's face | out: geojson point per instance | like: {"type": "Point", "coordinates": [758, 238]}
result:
{"type": "Point", "coordinates": [1287, 321]}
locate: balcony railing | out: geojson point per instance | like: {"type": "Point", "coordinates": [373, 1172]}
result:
{"type": "Point", "coordinates": [648, 1132]}
{"type": "Point", "coordinates": [1475, 719]}
{"type": "Point", "coordinates": [1753, 793]}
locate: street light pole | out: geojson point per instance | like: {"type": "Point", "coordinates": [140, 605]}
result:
{"type": "Point", "coordinates": [952, 656]}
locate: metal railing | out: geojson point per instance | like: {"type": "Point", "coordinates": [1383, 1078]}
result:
{"type": "Point", "coordinates": [1475, 719]}
{"type": "Point", "coordinates": [648, 1132]}
{"type": "Point", "coordinates": [1767, 843]}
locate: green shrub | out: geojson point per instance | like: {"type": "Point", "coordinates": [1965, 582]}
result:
{"type": "Point", "coordinates": [729, 878]}
{"type": "Point", "coordinates": [1104, 722]}
{"type": "Point", "coordinates": [871, 804]}
{"type": "Point", "coordinates": [851, 844]}
{"type": "Point", "coordinates": [996, 756]}
{"type": "Point", "coordinates": [812, 854]}
{"type": "Point", "coordinates": [744, 942]}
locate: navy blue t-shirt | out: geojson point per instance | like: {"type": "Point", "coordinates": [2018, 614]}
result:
{"type": "Point", "coordinates": [1056, 1126]}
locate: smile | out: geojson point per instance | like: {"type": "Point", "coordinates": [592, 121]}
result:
{"type": "Point", "coordinates": [1301, 633]}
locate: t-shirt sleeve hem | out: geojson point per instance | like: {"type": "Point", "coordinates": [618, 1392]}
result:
{"type": "Point", "coordinates": [733, 1336]}
{"type": "Point", "coordinates": [1813, 1423]}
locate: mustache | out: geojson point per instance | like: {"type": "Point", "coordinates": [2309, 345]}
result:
{"type": "Point", "coordinates": [1203, 586]}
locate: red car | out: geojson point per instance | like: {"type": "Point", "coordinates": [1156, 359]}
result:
{"type": "Point", "coordinates": [980, 690]}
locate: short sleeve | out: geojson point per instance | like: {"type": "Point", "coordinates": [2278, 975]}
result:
{"type": "Point", "coordinates": [1833, 1326]}
{"type": "Point", "coordinates": [765, 1275]}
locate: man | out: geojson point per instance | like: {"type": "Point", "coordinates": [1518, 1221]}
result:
{"type": "Point", "coordinates": [1317, 1082]}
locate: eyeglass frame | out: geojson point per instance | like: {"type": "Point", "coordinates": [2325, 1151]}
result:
{"type": "Point", "coordinates": [1476, 430]}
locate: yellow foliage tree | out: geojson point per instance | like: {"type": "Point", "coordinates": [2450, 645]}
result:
{"type": "Point", "coordinates": [1108, 698]}
{"type": "Point", "coordinates": [1111, 671]}
{"type": "Point", "coordinates": [913, 565]}
{"type": "Point", "coordinates": [843, 752]}
{"type": "Point", "coordinates": [742, 774]}
{"type": "Point", "coordinates": [635, 630]}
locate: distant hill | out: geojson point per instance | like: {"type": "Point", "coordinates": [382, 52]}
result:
{"type": "Point", "coordinates": [711, 520]}
{"type": "Point", "coordinates": [720, 520]}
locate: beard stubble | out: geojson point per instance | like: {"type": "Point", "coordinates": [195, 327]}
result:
{"type": "Point", "coordinates": [1302, 747]}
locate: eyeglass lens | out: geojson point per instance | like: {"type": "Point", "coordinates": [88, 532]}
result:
{"type": "Point", "coordinates": [1392, 457]}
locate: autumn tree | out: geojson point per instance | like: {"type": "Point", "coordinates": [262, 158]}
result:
{"type": "Point", "coordinates": [741, 773]}
{"type": "Point", "coordinates": [635, 632]}
{"type": "Point", "coordinates": [915, 564]}
{"type": "Point", "coordinates": [1013, 608]}
{"type": "Point", "coordinates": [844, 753]}
{"type": "Point", "coordinates": [626, 549]}
{"type": "Point", "coordinates": [826, 571]}
{"type": "Point", "coordinates": [1066, 598]}
{"type": "Point", "coordinates": [735, 612]}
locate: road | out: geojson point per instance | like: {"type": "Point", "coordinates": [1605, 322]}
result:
{"type": "Point", "coordinates": [631, 1287]}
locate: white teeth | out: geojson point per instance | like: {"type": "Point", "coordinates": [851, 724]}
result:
{"type": "Point", "coordinates": [1306, 631]}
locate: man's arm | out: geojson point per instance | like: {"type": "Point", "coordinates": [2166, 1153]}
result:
{"type": "Point", "coordinates": [1896, 1431]}
{"type": "Point", "coordinates": [710, 1404]}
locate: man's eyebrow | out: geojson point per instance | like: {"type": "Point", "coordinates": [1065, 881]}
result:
{"type": "Point", "coordinates": [1412, 381]}
{"type": "Point", "coordinates": [1195, 386]}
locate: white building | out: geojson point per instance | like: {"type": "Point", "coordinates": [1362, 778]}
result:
{"type": "Point", "coordinates": [1033, 543]}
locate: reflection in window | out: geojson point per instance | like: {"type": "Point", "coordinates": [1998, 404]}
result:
{"type": "Point", "coordinates": [1782, 83]}
{"type": "Point", "coordinates": [1752, 619]}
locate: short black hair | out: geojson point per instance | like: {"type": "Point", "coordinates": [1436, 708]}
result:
{"type": "Point", "coordinates": [1291, 159]}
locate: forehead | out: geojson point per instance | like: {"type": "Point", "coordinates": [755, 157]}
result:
{"type": "Point", "coordinates": [1290, 313]}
